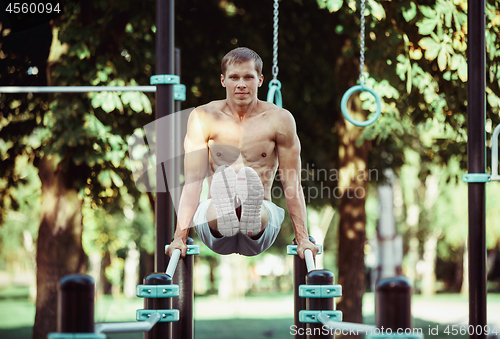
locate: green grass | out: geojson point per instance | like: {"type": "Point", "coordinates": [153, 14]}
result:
{"type": "Point", "coordinates": [245, 318]}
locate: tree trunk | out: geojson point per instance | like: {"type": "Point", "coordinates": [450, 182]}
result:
{"type": "Point", "coordinates": [59, 244]}
{"type": "Point", "coordinates": [352, 186]}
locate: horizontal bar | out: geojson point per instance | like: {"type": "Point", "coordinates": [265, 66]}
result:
{"type": "Point", "coordinates": [351, 327]}
{"type": "Point", "coordinates": [75, 89]}
{"type": "Point", "coordinates": [126, 327]}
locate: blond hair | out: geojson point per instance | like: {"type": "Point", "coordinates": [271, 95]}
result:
{"type": "Point", "coordinates": [239, 55]}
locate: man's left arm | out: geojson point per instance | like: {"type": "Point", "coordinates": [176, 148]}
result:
{"type": "Point", "coordinates": [288, 149]}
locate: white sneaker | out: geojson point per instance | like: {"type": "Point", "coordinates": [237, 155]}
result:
{"type": "Point", "coordinates": [223, 191]}
{"type": "Point", "coordinates": [250, 190]}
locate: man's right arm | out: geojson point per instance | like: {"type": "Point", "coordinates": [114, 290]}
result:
{"type": "Point", "coordinates": [195, 171]}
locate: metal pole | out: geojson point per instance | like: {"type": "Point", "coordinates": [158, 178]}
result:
{"type": "Point", "coordinates": [178, 142]}
{"type": "Point", "coordinates": [75, 89]}
{"type": "Point", "coordinates": [164, 210]}
{"type": "Point", "coordinates": [184, 328]}
{"type": "Point", "coordinates": [476, 162]}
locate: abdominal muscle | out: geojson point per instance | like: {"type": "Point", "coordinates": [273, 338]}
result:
{"type": "Point", "coordinates": [265, 169]}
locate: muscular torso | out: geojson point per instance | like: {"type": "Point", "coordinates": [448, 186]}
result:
{"type": "Point", "coordinates": [248, 141]}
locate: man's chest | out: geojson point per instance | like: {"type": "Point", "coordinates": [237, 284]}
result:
{"type": "Point", "coordinates": [252, 140]}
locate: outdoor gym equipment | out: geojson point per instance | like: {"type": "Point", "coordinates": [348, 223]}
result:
{"type": "Point", "coordinates": [76, 305]}
{"type": "Point", "coordinates": [361, 87]}
{"type": "Point", "coordinates": [314, 304]}
{"type": "Point", "coordinates": [274, 93]}
{"type": "Point", "coordinates": [485, 177]}
{"type": "Point", "coordinates": [476, 146]}
{"type": "Point", "coordinates": [179, 89]}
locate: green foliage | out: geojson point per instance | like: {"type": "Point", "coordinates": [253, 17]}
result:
{"type": "Point", "coordinates": [421, 79]}
{"type": "Point", "coordinates": [86, 133]}
{"type": "Point", "coordinates": [107, 232]}
{"type": "Point", "coordinates": [331, 5]}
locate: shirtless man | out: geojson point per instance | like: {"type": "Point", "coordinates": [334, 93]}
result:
{"type": "Point", "coordinates": [239, 143]}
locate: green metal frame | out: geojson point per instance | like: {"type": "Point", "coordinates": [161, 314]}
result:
{"type": "Point", "coordinates": [157, 291]}
{"type": "Point", "coordinates": [476, 177]}
{"type": "Point", "coordinates": [292, 249]}
{"type": "Point", "coordinates": [76, 336]}
{"type": "Point", "coordinates": [165, 315]}
{"type": "Point", "coordinates": [312, 316]}
{"type": "Point", "coordinates": [192, 249]}
{"type": "Point", "coordinates": [320, 291]}
{"type": "Point", "coordinates": [170, 79]}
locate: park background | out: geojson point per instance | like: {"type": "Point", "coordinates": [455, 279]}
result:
{"type": "Point", "coordinates": [68, 202]}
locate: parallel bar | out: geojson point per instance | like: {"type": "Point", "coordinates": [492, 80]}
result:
{"type": "Point", "coordinates": [358, 329]}
{"type": "Point", "coordinates": [476, 112]}
{"type": "Point", "coordinates": [172, 264]}
{"type": "Point", "coordinates": [75, 89]}
{"type": "Point", "coordinates": [126, 327]}
{"type": "Point", "coordinates": [309, 260]}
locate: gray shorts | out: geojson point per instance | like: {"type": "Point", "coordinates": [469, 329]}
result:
{"type": "Point", "coordinates": [239, 243]}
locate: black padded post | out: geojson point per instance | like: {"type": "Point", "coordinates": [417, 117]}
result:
{"type": "Point", "coordinates": [299, 304]}
{"type": "Point", "coordinates": [184, 328]}
{"type": "Point", "coordinates": [319, 277]}
{"type": "Point", "coordinates": [75, 307]}
{"type": "Point", "coordinates": [162, 330]}
{"type": "Point", "coordinates": [393, 303]}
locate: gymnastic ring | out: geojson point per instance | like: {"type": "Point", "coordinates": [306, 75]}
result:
{"type": "Point", "coordinates": [274, 93]}
{"type": "Point", "coordinates": [345, 112]}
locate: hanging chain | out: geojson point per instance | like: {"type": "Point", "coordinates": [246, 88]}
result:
{"type": "Point", "coordinates": [275, 40]}
{"type": "Point", "coordinates": [362, 45]}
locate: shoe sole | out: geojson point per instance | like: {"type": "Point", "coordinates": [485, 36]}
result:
{"type": "Point", "coordinates": [250, 190]}
{"type": "Point", "coordinates": [223, 190]}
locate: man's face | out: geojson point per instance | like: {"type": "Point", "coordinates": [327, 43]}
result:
{"type": "Point", "coordinates": [241, 82]}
